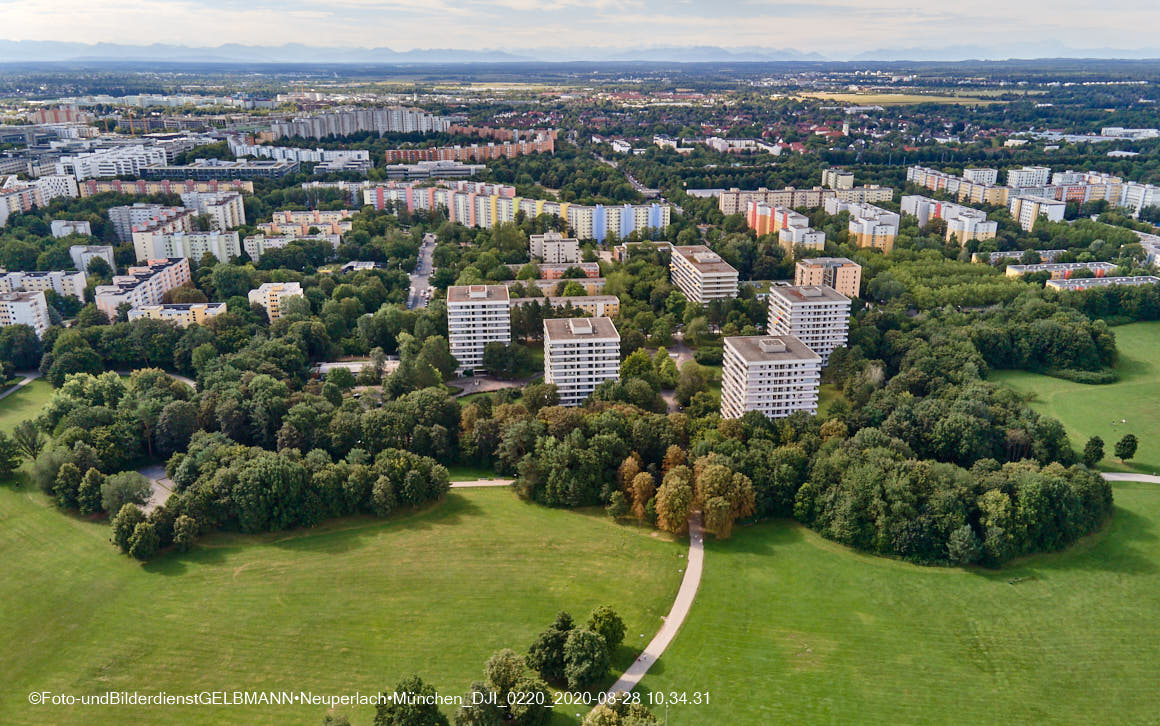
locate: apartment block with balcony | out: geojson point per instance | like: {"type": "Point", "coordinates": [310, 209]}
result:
{"type": "Point", "coordinates": [25, 308]}
{"type": "Point", "coordinates": [142, 285]}
{"type": "Point", "coordinates": [870, 226]}
{"type": "Point", "coordinates": [840, 273]}
{"type": "Point", "coordinates": [594, 306]}
{"type": "Point", "coordinates": [554, 247]}
{"type": "Point", "coordinates": [1063, 270]}
{"type": "Point", "coordinates": [1027, 209]}
{"type": "Point", "coordinates": [817, 315]}
{"type": "Point", "coordinates": [183, 314]}
{"type": "Point", "coordinates": [82, 255]}
{"type": "Point", "coordinates": [776, 375]}
{"type": "Point", "coordinates": [579, 355]}
{"type": "Point", "coordinates": [477, 315]}
{"type": "Point", "coordinates": [1084, 283]}
{"type": "Point", "coordinates": [273, 296]}
{"type": "Point", "coordinates": [701, 274]}
{"type": "Point", "coordinates": [224, 209]}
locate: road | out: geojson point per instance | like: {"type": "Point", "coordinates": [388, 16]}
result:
{"type": "Point", "coordinates": [421, 277]}
{"type": "Point", "coordinates": [676, 616]}
{"type": "Point", "coordinates": [641, 188]}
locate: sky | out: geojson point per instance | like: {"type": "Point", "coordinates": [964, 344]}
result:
{"type": "Point", "coordinates": [834, 28]}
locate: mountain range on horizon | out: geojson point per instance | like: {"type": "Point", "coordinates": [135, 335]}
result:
{"type": "Point", "coordinates": [31, 51]}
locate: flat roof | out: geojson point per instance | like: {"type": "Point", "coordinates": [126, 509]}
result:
{"type": "Point", "coordinates": [703, 258]}
{"type": "Point", "coordinates": [809, 294]}
{"type": "Point", "coordinates": [562, 329]}
{"type": "Point", "coordinates": [757, 348]}
{"type": "Point", "coordinates": [477, 293]}
{"type": "Point", "coordinates": [827, 261]}
{"type": "Point", "coordinates": [20, 295]}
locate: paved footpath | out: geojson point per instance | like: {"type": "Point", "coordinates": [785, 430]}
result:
{"type": "Point", "coordinates": [676, 616]}
{"type": "Point", "coordinates": [482, 483]}
{"type": "Point", "coordinates": [1124, 476]}
{"type": "Point", "coordinates": [29, 377]}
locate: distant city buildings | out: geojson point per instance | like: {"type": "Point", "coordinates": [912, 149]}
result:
{"type": "Point", "coordinates": [142, 285]}
{"type": "Point", "coordinates": [476, 315]}
{"type": "Point", "coordinates": [346, 122]}
{"type": "Point", "coordinates": [817, 315]}
{"type": "Point", "coordinates": [183, 314]}
{"type": "Point", "coordinates": [25, 308]}
{"type": "Point", "coordinates": [239, 147]}
{"type": "Point", "coordinates": [736, 201]}
{"type": "Point", "coordinates": [113, 161]}
{"type": "Point", "coordinates": [701, 274]}
{"type": "Point", "coordinates": [544, 142]}
{"type": "Point", "coordinates": [775, 375]}
{"type": "Point", "coordinates": [579, 355]}
{"type": "Point", "coordinates": [555, 248]}
{"type": "Point", "coordinates": [209, 169]}
{"type": "Point", "coordinates": [165, 186]}
{"type": "Point", "coordinates": [273, 296]}
{"type": "Point", "coordinates": [842, 274]}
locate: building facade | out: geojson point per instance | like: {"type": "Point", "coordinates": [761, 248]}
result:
{"type": "Point", "coordinates": [225, 210]}
{"type": "Point", "coordinates": [183, 314]}
{"type": "Point", "coordinates": [579, 355]}
{"type": "Point", "coordinates": [776, 375]}
{"type": "Point", "coordinates": [65, 227]}
{"type": "Point", "coordinates": [82, 255]}
{"type": "Point", "coordinates": [477, 315]}
{"type": "Point", "coordinates": [63, 283]}
{"type": "Point", "coordinates": [817, 315]}
{"type": "Point", "coordinates": [25, 308]}
{"type": "Point", "coordinates": [701, 274]}
{"type": "Point", "coordinates": [840, 273]}
{"type": "Point", "coordinates": [273, 296]}
{"type": "Point", "coordinates": [555, 248]}
{"type": "Point", "coordinates": [142, 285]}
{"type": "Point", "coordinates": [870, 226]}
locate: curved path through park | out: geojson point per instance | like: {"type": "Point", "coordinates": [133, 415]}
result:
{"type": "Point", "coordinates": [1128, 476]}
{"type": "Point", "coordinates": [29, 377]}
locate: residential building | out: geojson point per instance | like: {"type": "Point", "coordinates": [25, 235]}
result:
{"type": "Point", "coordinates": [552, 271]}
{"type": "Point", "coordinates": [837, 179]}
{"type": "Point", "coordinates": [239, 148]}
{"type": "Point", "coordinates": [871, 194]}
{"type": "Point", "coordinates": [870, 226]}
{"type": "Point", "coordinates": [125, 218]}
{"type": "Point", "coordinates": [1028, 176]}
{"type": "Point", "coordinates": [840, 273]}
{"type": "Point", "coordinates": [206, 169]}
{"type": "Point", "coordinates": [1028, 209]}
{"type": "Point", "coordinates": [620, 252]}
{"type": "Point", "coordinates": [432, 170]}
{"type": "Point", "coordinates": [194, 245]}
{"type": "Point", "coordinates": [54, 186]}
{"type": "Point", "coordinates": [61, 282]}
{"type": "Point", "coordinates": [477, 315]}
{"type": "Point", "coordinates": [817, 315]}
{"type": "Point", "coordinates": [981, 176]}
{"type": "Point", "coordinates": [595, 306]}
{"type": "Point", "coordinates": [163, 186]}
{"type": "Point", "coordinates": [334, 222]}
{"type": "Point", "coordinates": [963, 189]}
{"type": "Point", "coordinates": [142, 285]}
{"type": "Point", "coordinates": [256, 245]}
{"type": "Point", "coordinates": [579, 355]}
{"type": "Point", "coordinates": [1083, 283]}
{"type": "Point", "coordinates": [590, 285]}
{"type": "Point", "coordinates": [170, 220]}
{"type": "Point", "coordinates": [793, 229]}
{"type": "Point", "coordinates": [543, 142]}
{"type": "Point", "coordinates": [113, 161]}
{"type": "Point", "coordinates": [555, 248]}
{"type": "Point", "coordinates": [790, 238]}
{"type": "Point", "coordinates": [1062, 270]}
{"type": "Point", "coordinates": [1135, 197]}
{"type": "Point", "coordinates": [224, 209]}
{"type": "Point", "coordinates": [183, 314]}
{"type": "Point", "coordinates": [963, 223]}
{"type": "Point", "coordinates": [701, 274]}
{"type": "Point", "coordinates": [273, 296]}
{"type": "Point", "coordinates": [82, 255]}
{"type": "Point", "coordinates": [993, 257]}
{"type": "Point", "coordinates": [776, 375]}
{"type": "Point", "coordinates": [65, 227]}
{"type": "Point", "coordinates": [25, 308]}
{"type": "Point", "coordinates": [345, 122]}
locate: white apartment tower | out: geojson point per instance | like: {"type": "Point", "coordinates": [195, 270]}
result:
{"type": "Point", "coordinates": [25, 308]}
{"type": "Point", "coordinates": [701, 274]}
{"type": "Point", "coordinates": [817, 315]}
{"type": "Point", "coordinates": [273, 296]}
{"type": "Point", "coordinates": [579, 355]}
{"type": "Point", "coordinates": [477, 315]}
{"type": "Point", "coordinates": [777, 375]}
{"type": "Point", "coordinates": [554, 247]}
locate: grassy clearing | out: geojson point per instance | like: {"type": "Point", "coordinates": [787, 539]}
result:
{"type": "Point", "coordinates": [1089, 410]}
{"type": "Point", "coordinates": [901, 99]}
{"type": "Point", "coordinates": [828, 395]}
{"type": "Point", "coordinates": [354, 605]}
{"type": "Point", "coordinates": [24, 404]}
{"type": "Point", "coordinates": [790, 628]}
{"type": "Point", "coordinates": [467, 472]}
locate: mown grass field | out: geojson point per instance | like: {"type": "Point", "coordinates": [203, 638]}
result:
{"type": "Point", "coordinates": [1089, 410]}
{"type": "Point", "coordinates": [789, 628]}
{"type": "Point", "coordinates": [355, 605]}
{"type": "Point", "coordinates": [24, 403]}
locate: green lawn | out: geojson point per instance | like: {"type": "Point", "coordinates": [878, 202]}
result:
{"type": "Point", "coordinates": [24, 404]}
{"type": "Point", "coordinates": [468, 472]}
{"type": "Point", "coordinates": [789, 628]}
{"type": "Point", "coordinates": [352, 606]}
{"type": "Point", "coordinates": [1089, 410]}
{"type": "Point", "coordinates": [828, 395]}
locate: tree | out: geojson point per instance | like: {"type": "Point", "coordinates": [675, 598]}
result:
{"type": "Point", "coordinates": [503, 670]}
{"type": "Point", "coordinates": [143, 543]}
{"type": "Point", "coordinates": [605, 621]}
{"type": "Point", "coordinates": [478, 708]}
{"type": "Point", "coordinates": [10, 455]}
{"type": "Point", "coordinates": [177, 422]}
{"type": "Point", "coordinates": [89, 494]}
{"type": "Point", "coordinates": [546, 655]}
{"type": "Point", "coordinates": [621, 711]}
{"type": "Point", "coordinates": [124, 525]}
{"type": "Point", "coordinates": [617, 505]}
{"type": "Point", "coordinates": [1093, 452]}
{"type": "Point", "coordinates": [724, 495]}
{"type": "Point", "coordinates": [643, 489]}
{"type": "Point", "coordinates": [67, 485]}
{"type": "Point", "coordinates": [415, 706]}
{"type": "Point", "coordinates": [128, 487]}
{"type": "Point", "coordinates": [341, 377]}
{"type": "Point", "coordinates": [1126, 447]}
{"type": "Point", "coordinates": [534, 708]}
{"type": "Point", "coordinates": [184, 533]}
{"type": "Point", "coordinates": [675, 500]}
{"type": "Point", "coordinates": [585, 659]}
{"type": "Point", "coordinates": [963, 547]}
{"type": "Point", "coordinates": [29, 438]}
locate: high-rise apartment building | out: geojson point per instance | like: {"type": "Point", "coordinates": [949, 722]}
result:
{"type": "Point", "coordinates": [870, 226]}
{"type": "Point", "coordinates": [194, 245]}
{"type": "Point", "coordinates": [65, 227]}
{"type": "Point", "coordinates": [840, 273]}
{"type": "Point", "coordinates": [554, 247]}
{"type": "Point", "coordinates": [1028, 209]}
{"type": "Point", "coordinates": [579, 355]}
{"type": "Point", "coordinates": [777, 375]}
{"type": "Point", "coordinates": [963, 223]}
{"type": "Point", "coordinates": [25, 308]}
{"type": "Point", "coordinates": [701, 274]}
{"type": "Point", "coordinates": [817, 315]}
{"type": "Point", "coordinates": [224, 209]}
{"type": "Point", "coordinates": [142, 285]}
{"type": "Point", "coordinates": [82, 255]}
{"type": "Point", "coordinates": [477, 315]}
{"type": "Point", "coordinates": [1028, 176]}
{"type": "Point", "coordinates": [837, 178]}
{"type": "Point", "coordinates": [981, 175]}
{"type": "Point", "coordinates": [273, 296]}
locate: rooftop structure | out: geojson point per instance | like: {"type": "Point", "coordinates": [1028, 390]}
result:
{"type": "Point", "coordinates": [701, 274]}
{"type": "Point", "coordinates": [776, 375]}
{"type": "Point", "coordinates": [579, 355]}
